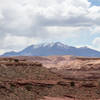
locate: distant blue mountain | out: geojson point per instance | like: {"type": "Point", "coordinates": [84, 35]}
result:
{"type": "Point", "coordinates": [54, 49]}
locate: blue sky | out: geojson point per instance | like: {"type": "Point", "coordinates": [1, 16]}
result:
{"type": "Point", "coordinates": [27, 22]}
{"type": "Point", "coordinates": [95, 2]}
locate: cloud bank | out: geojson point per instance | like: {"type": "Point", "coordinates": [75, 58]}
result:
{"type": "Point", "coordinates": [24, 22]}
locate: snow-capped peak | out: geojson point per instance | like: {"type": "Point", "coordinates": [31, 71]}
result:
{"type": "Point", "coordinates": [51, 45]}
{"type": "Point", "coordinates": [84, 47]}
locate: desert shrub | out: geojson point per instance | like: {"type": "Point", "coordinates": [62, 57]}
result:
{"type": "Point", "coordinates": [99, 83]}
{"type": "Point", "coordinates": [16, 60]}
{"type": "Point", "coordinates": [12, 87]}
{"type": "Point", "coordinates": [72, 84]}
{"type": "Point", "coordinates": [28, 87]}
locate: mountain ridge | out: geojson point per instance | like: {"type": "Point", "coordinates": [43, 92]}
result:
{"type": "Point", "coordinates": [57, 48]}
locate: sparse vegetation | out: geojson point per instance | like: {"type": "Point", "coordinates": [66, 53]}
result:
{"type": "Point", "coordinates": [31, 81]}
{"type": "Point", "coordinates": [72, 84]}
{"type": "Point", "coordinates": [16, 60]}
{"type": "Point", "coordinates": [28, 87]}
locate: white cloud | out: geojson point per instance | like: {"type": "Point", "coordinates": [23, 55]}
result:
{"type": "Point", "coordinates": [31, 21]}
{"type": "Point", "coordinates": [94, 12]}
{"type": "Point", "coordinates": [96, 43]}
{"type": "Point", "coordinates": [2, 51]}
{"type": "Point", "coordinates": [16, 42]}
{"type": "Point", "coordinates": [60, 33]}
{"type": "Point", "coordinates": [95, 30]}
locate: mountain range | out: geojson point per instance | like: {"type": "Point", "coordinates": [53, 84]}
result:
{"type": "Point", "coordinates": [49, 49]}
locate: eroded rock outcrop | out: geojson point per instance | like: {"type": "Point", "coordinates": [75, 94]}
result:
{"type": "Point", "coordinates": [67, 78]}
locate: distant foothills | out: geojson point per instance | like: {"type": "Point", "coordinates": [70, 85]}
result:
{"type": "Point", "coordinates": [51, 49]}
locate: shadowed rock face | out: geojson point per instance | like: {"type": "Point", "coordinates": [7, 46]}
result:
{"type": "Point", "coordinates": [49, 78]}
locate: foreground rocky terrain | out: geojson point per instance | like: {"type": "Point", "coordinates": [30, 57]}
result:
{"type": "Point", "coordinates": [49, 78]}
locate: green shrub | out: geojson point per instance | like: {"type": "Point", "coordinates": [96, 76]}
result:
{"type": "Point", "coordinates": [16, 60]}
{"type": "Point", "coordinates": [28, 87]}
{"type": "Point", "coordinates": [72, 84]}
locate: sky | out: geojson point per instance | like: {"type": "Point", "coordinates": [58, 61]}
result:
{"type": "Point", "coordinates": [27, 22]}
{"type": "Point", "coordinates": [95, 2]}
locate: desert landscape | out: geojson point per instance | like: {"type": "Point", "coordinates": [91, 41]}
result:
{"type": "Point", "coordinates": [49, 78]}
{"type": "Point", "coordinates": [49, 49]}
